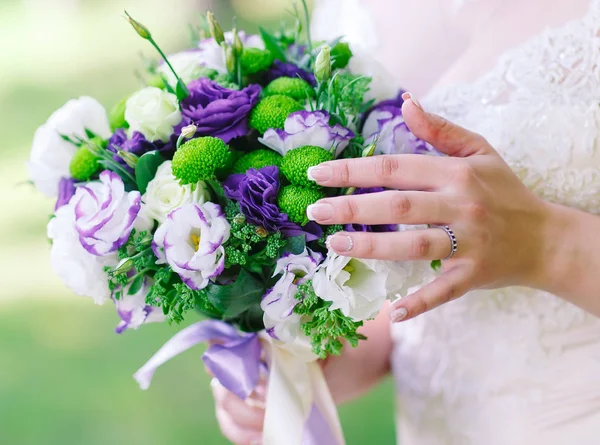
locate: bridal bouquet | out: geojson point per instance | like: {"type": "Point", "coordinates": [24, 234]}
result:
{"type": "Point", "coordinates": [189, 198]}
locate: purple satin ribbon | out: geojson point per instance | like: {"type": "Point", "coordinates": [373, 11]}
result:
{"type": "Point", "coordinates": [235, 361]}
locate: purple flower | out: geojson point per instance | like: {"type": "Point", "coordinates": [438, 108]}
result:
{"type": "Point", "coordinates": [137, 145]}
{"type": "Point", "coordinates": [256, 192]}
{"type": "Point", "coordinates": [373, 228]}
{"type": "Point", "coordinates": [66, 190]}
{"type": "Point", "coordinates": [307, 128]}
{"type": "Point", "coordinates": [133, 310]}
{"type": "Point", "coordinates": [218, 111]}
{"type": "Point", "coordinates": [191, 242]}
{"type": "Point", "coordinates": [105, 214]}
{"type": "Point", "coordinates": [283, 69]}
{"type": "Point", "coordinates": [279, 302]}
{"type": "Point", "coordinates": [386, 125]}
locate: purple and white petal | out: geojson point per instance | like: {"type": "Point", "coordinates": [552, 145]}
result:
{"type": "Point", "coordinates": [191, 241]}
{"type": "Point", "coordinates": [133, 310]}
{"type": "Point", "coordinates": [105, 214]}
{"type": "Point", "coordinates": [308, 128]}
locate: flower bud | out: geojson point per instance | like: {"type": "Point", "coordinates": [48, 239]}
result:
{"type": "Point", "coordinates": [230, 59]}
{"type": "Point", "coordinates": [142, 31]}
{"type": "Point", "coordinates": [369, 150]}
{"type": "Point", "coordinates": [262, 232]}
{"type": "Point", "coordinates": [323, 65]}
{"type": "Point", "coordinates": [189, 131]}
{"type": "Point", "coordinates": [130, 159]}
{"type": "Point", "coordinates": [238, 46]}
{"type": "Point", "coordinates": [239, 219]}
{"type": "Point", "coordinates": [215, 29]}
{"type": "Point", "coordinates": [124, 266]}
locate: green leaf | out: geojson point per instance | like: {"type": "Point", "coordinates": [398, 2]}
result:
{"type": "Point", "coordinates": [145, 170]}
{"type": "Point", "coordinates": [251, 320]}
{"type": "Point", "coordinates": [436, 265]}
{"type": "Point", "coordinates": [272, 45]}
{"type": "Point", "coordinates": [181, 91]}
{"type": "Point", "coordinates": [234, 299]}
{"type": "Point", "coordinates": [295, 245]}
{"type": "Point", "coordinates": [90, 134]}
{"type": "Point", "coordinates": [136, 285]}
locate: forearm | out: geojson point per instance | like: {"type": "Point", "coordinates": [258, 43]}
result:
{"type": "Point", "coordinates": [358, 369]}
{"type": "Point", "coordinates": [570, 263]}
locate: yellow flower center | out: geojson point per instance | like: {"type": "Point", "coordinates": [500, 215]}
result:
{"type": "Point", "coordinates": [195, 240]}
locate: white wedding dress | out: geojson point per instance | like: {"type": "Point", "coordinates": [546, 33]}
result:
{"type": "Point", "coordinates": [512, 366]}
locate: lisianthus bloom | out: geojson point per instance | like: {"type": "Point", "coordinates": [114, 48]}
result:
{"type": "Point", "coordinates": [218, 111]}
{"type": "Point", "coordinates": [66, 190]}
{"type": "Point", "coordinates": [133, 310]}
{"type": "Point", "coordinates": [191, 242]}
{"type": "Point", "coordinates": [51, 154]}
{"type": "Point", "coordinates": [212, 55]}
{"type": "Point", "coordinates": [154, 113]}
{"type": "Point", "coordinates": [308, 128]}
{"type": "Point", "coordinates": [164, 193]}
{"type": "Point", "coordinates": [279, 302]}
{"type": "Point", "coordinates": [105, 213]}
{"type": "Point", "coordinates": [256, 192]}
{"type": "Point", "coordinates": [371, 228]}
{"type": "Point", "coordinates": [386, 125]}
{"type": "Point", "coordinates": [284, 69]}
{"type": "Point", "coordinates": [189, 65]}
{"type": "Point", "coordinates": [137, 145]}
{"type": "Point", "coordinates": [357, 287]}
{"type": "Point", "coordinates": [79, 270]}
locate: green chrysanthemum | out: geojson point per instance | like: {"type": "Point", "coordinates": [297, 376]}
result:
{"type": "Point", "coordinates": [295, 88]}
{"type": "Point", "coordinates": [294, 200]}
{"type": "Point", "coordinates": [200, 159]}
{"type": "Point", "coordinates": [296, 163]}
{"type": "Point", "coordinates": [255, 60]}
{"type": "Point", "coordinates": [272, 111]}
{"type": "Point", "coordinates": [84, 165]}
{"type": "Point", "coordinates": [257, 159]}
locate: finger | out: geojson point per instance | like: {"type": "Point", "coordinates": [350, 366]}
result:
{"type": "Point", "coordinates": [246, 416]}
{"type": "Point", "coordinates": [445, 136]}
{"type": "Point", "coordinates": [234, 432]}
{"type": "Point", "coordinates": [404, 172]}
{"type": "Point", "coordinates": [390, 207]}
{"type": "Point", "coordinates": [412, 245]}
{"type": "Point", "coordinates": [449, 286]}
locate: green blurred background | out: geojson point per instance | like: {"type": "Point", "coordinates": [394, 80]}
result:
{"type": "Point", "coordinates": [65, 377]}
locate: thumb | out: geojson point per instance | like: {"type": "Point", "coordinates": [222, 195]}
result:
{"type": "Point", "coordinates": [445, 136]}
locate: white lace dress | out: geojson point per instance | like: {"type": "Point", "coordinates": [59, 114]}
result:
{"type": "Point", "coordinates": [512, 366]}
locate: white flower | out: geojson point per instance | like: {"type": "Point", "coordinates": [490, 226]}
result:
{"type": "Point", "coordinates": [133, 310]}
{"type": "Point", "coordinates": [191, 241]}
{"type": "Point", "coordinates": [212, 53]}
{"type": "Point", "coordinates": [164, 193]}
{"type": "Point", "coordinates": [187, 64]}
{"type": "Point", "coordinates": [357, 287]}
{"type": "Point", "coordinates": [81, 271]}
{"type": "Point", "coordinates": [278, 304]}
{"type": "Point", "coordinates": [153, 112]}
{"type": "Point", "coordinates": [51, 154]}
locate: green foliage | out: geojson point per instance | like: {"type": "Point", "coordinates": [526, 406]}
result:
{"type": "Point", "coordinates": [116, 116]}
{"type": "Point", "coordinates": [272, 111]}
{"type": "Point", "coordinates": [329, 230]}
{"type": "Point", "coordinates": [257, 159]}
{"type": "Point", "coordinates": [234, 299]}
{"type": "Point", "coordinates": [84, 164]}
{"type": "Point", "coordinates": [255, 60]}
{"type": "Point", "coordinates": [349, 91]}
{"type": "Point", "coordinates": [146, 168]}
{"type": "Point", "coordinates": [296, 163]}
{"type": "Point", "coordinates": [326, 328]}
{"type": "Point", "coordinates": [200, 159]}
{"type": "Point", "coordinates": [340, 55]}
{"type": "Point", "coordinates": [295, 88]}
{"type": "Point", "coordinates": [225, 81]}
{"type": "Point", "coordinates": [295, 199]}
{"type": "Point", "coordinates": [272, 45]}
{"type": "Point", "coordinates": [436, 265]}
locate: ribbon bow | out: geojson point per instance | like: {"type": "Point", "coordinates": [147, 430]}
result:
{"type": "Point", "coordinates": [300, 410]}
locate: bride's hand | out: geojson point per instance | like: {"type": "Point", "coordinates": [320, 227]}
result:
{"type": "Point", "coordinates": [499, 224]}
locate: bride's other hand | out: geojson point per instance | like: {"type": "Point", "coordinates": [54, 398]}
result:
{"type": "Point", "coordinates": [499, 224]}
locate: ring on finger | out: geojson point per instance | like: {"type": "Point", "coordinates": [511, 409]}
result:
{"type": "Point", "coordinates": [451, 237]}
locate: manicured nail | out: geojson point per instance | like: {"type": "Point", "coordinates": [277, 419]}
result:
{"type": "Point", "coordinates": [255, 403]}
{"type": "Point", "coordinates": [319, 173]}
{"type": "Point", "coordinates": [409, 96]}
{"type": "Point", "coordinates": [398, 315]}
{"type": "Point", "coordinates": [340, 243]}
{"type": "Point", "coordinates": [319, 211]}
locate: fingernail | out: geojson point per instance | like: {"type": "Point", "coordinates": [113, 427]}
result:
{"type": "Point", "coordinates": [409, 96]}
{"type": "Point", "coordinates": [319, 173]}
{"type": "Point", "coordinates": [319, 211]}
{"type": "Point", "coordinates": [398, 315]}
{"type": "Point", "coordinates": [340, 243]}
{"type": "Point", "coordinates": [255, 403]}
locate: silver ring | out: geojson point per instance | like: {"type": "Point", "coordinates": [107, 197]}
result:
{"type": "Point", "coordinates": [453, 242]}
